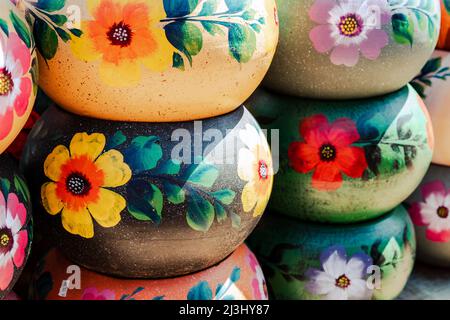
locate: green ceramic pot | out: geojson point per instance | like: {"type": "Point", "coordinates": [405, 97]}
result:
{"type": "Point", "coordinates": [336, 49]}
{"type": "Point", "coordinates": [345, 161]}
{"type": "Point", "coordinates": [370, 260]}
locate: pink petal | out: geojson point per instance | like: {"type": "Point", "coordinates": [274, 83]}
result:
{"type": "Point", "coordinates": [442, 236]}
{"type": "Point", "coordinates": [345, 55]}
{"type": "Point", "coordinates": [21, 102]}
{"type": "Point", "coordinates": [433, 187]}
{"type": "Point", "coordinates": [6, 274]}
{"type": "Point", "coordinates": [376, 40]}
{"type": "Point", "coordinates": [16, 208]}
{"type": "Point", "coordinates": [321, 38]}
{"type": "Point", "coordinates": [256, 291]}
{"type": "Point", "coordinates": [320, 10]}
{"type": "Point", "coordinates": [19, 256]}
{"type": "Point", "coordinates": [6, 123]}
{"type": "Point", "coordinates": [416, 215]}
{"type": "Point", "coordinates": [2, 200]}
{"type": "Point", "coordinates": [19, 51]}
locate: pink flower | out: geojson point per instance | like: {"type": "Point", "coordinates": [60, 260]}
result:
{"type": "Point", "coordinates": [433, 212]}
{"type": "Point", "coordinates": [94, 294]}
{"type": "Point", "coordinates": [13, 240]}
{"type": "Point", "coordinates": [15, 82]}
{"type": "Point", "coordinates": [259, 282]}
{"type": "Point", "coordinates": [348, 27]}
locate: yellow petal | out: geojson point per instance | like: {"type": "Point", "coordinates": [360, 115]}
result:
{"type": "Point", "coordinates": [90, 145]}
{"type": "Point", "coordinates": [106, 211]}
{"type": "Point", "coordinates": [116, 172]}
{"type": "Point", "coordinates": [78, 222]}
{"type": "Point", "coordinates": [124, 74]}
{"type": "Point", "coordinates": [260, 207]}
{"type": "Point", "coordinates": [83, 48]}
{"type": "Point", "coordinates": [249, 197]}
{"type": "Point", "coordinates": [50, 200]}
{"type": "Point", "coordinates": [54, 161]}
{"type": "Point", "coordinates": [160, 59]}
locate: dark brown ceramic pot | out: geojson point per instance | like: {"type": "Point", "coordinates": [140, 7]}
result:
{"type": "Point", "coordinates": [148, 200]}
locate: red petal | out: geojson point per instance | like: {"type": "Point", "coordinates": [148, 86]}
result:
{"type": "Point", "coordinates": [352, 161]}
{"type": "Point", "coordinates": [327, 177]}
{"type": "Point", "coordinates": [6, 123]}
{"type": "Point", "coordinates": [303, 157]}
{"type": "Point", "coordinates": [6, 274]}
{"type": "Point", "coordinates": [433, 188]}
{"type": "Point", "coordinates": [416, 215]}
{"type": "Point", "coordinates": [22, 100]}
{"type": "Point", "coordinates": [20, 254]}
{"type": "Point", "coordinates": [343, 132]}
{"type": "Point", "coordinates": [442, 236]}
{"type": "Point", "coordinates": [315, 130]}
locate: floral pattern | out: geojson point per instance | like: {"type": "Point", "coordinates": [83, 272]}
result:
{"type": "Point", "coordinates": [327, 150]}
{"type": "Point", "coordinates": [433, 70]}
{"type": "Point", "coordinates": [433, 211]}
{"type": "Point", "coordinates": [259, 282]}
{"type": "Point", "coordinates": [255, 167]}
{"type": "Point", "coordinates": [94, 294]}
{"type": "Point", "coordinates": [16, 148]}
{"type": "Point", "coordinates": [81, 177]}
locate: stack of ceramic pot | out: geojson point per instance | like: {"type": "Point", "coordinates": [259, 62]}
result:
{"type": "Point", "coordinates": [429, 205]}
{"type": "Point", "coordinates": [355, 140]}
{"type": "Point", "coordinates": [150, 175]}
{"type": "Point", "coordinates": [18, 87]}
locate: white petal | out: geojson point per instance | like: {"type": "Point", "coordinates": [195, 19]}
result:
{"type": "Point", "coordinates": [337, 294]}
{"type": "Point", "coordinates": [322, 283]}
{"type": "Point", "coordinates": [250, 136]}
{"type": "Point", "coordinates": [246, 164]}
{"type": "Point", "coordinates": [355, 268]}
{"type": "Point", "coordinates": [335, 265]}
{"type": "Point", "coordinates": [435, 200]}
{"type": "Point", "coordinates": [358, 290]}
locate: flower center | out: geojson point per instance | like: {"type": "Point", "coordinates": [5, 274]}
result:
{"type": "Point", "coordinates": [77, 184]}
{"type": "Point", "coordinates": [120, 34]}
{"type": "Point", "coordinates": [6, 82]}
{"type": "Point", "coordinates": [342, 282]}
{"type": "Point", "coordinates": [6, 240]}
{"type": "Point", "coordinates": [263, 170]}
{"type": "Point", "coordinates": [350, 25]}
{"type": "Point", "coordinates": [442, 212]}
{"type": "Point", "coordinates": [327, 153]}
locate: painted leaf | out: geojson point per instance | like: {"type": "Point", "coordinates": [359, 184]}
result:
{"type": "Point", "coordinates": [237, 5]}
{"type": "Point", "coordinates": [144, 153]}
{"type": "Point", "coordinates": [186, 37]}
{"type": "Point", "coordinates": [201, 291]}
{"type": "Point", "coordinates": [209, 8]}
{"type": "Point", "coordinates": [202, 174]}
{"type": "Point", "coordinates": [58, 19]}
{"type": "Point", "coordinates": [226, 196]}
{"type": "Point", "coordinates": [447, 5]}
{"type": "Point", "coordinates": [242, 42]}
{"type": "Point", "coordinates": [403, 29]}
{"type": "Point", "coordinates": [432, 66]}
{"type": "Point", "coordinates": [145, 201]}
{"type": "Point", "coordinates": [63, 34]}
{"type": "Point", "coordinates": [76, 32]}
{"type": "Point", "coordinates": [178, 61]}
{"type": "Point", "coordinates": [171, 167]}
{"type": "Point", "coordinates": [21, 29]}
{"type": "Point", "coordinates": [179, 8]}
{"type": "Point", "coordinates": [392, 252]}
{"type": "Point", "coordinates": [50, 5]}
{"type": "Point", "coordinates": [21, 188]}
{"type": "Point", "coordinates": [200, 215]}
{"type": "Point", "coordinates": [5, 186]}
{"type": "Point", "coordinates": [235, 220]}
{"type": "Point", "coordinates": [4, 26]}
{"type": "Point", "coordinates": [46, 39]}
{"type": "Point", "coordinates": [116, 140]}
{"type": "Point", "coordinates": [175, 194]}
{"type": "Point", "coordinates": [212, 29]}
{"type": "Point", "coordinates": [235, 275]}
{"type": "Point", "coordinates": [221, 214]}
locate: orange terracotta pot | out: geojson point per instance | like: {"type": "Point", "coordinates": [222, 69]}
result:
{"type": "Point", "coordinates": [444, 37]}
{"type": "Point", "coordinates": [239, 277]}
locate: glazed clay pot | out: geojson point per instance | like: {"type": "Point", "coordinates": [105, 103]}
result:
{"type": "Point", "coordinates": [238, 277]}
{"type": "Point", "coordinates": [444, 37]}
{"type": "Point", "coordinates": [18, 73]}
{"type": "Point", "coordinates": [148, 200]}
{"type": "Point", "coordinates": [153, 60]}
{"type": "Point", "coordinates": [346, 161]}
{"type": "Point", "coordinates": [15, 224]}
{"type": "Point", "coordinates": [307, 261]}
{"type": "Point", "coordinates": [433, 85]}
{"type": "Point", "coordinates": [429, 208]}
{"type": "Point", "coordinates": [336, 49]}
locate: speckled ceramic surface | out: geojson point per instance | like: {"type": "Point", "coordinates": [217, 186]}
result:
{"type": "Point", "coordinates": [429, 208]}
{"type": "Point", "coordinates": [18, 73]}
{"type": "Point", "coordinates": [370, 260]}
{"type": "Point", "coordinates": [165, 60]}
{"type": "Point", "coordinates": [444, 37]}
{"type": "Point", "coordinates": [433, 83]}
{"type": "Point", "coordinates": [345, 161]}
{"type": "Point", "coordinates": [148, 200]}
{"type": "Point", "coordinates": [338, 49]}
{"type": "Point", "coordinates": [238, 277]}
{"type": "Point", "coordinates": [15, 224]}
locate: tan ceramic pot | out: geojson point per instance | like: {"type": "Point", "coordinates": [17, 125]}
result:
{"type": "Point", "coordinates": [164, 60]}
{"type": "Point", "coordinates": [433, 84]}
{"type": "Point", "coordinates": [18, 73]}
{"type": "Point", "coordinates": [332, 49]}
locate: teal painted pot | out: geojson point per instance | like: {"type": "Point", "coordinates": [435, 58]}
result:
{"type": "Point", "coordinates": [308, 261]}
{"type": "Point", "coordinates": [345, 161]}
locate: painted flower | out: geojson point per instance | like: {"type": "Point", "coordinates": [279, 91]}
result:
{"type": "Point", "coordinates": [340, 278]}
{"type": "Point", "coordinates": [15, 81]}
{"type": "Point", "coordinates": [259, 282]}
{"type": "Point", "coordinates": [433, 212]}
{"type": "Point", "coordinates": [94, 294]}
{"type": "Point", "coordinates": [327, 149]}
{"type": "Point", "coordinates": [124, 36]}
{"type": "Point", "coordinates": [255, 168]}
{"type": "Point", "coordinates": [348, 28]}
{"type": "Point", "coordinates": [80, 178]}
{"type": "Point", "coordinates": [13, 238]}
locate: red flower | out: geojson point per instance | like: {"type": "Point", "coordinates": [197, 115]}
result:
{"type": "Point", "coordinates": [327, 150]}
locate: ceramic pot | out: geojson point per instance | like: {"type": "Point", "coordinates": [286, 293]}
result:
{"type": "Point", "coordinates": [429, 208]}
{"type": "Point", "coordinates": [333, 49]}
{"type": "Point", "coordinates": [346, 161]}
{"type": "Point", "coordinates": [444, 37]}
{"type": "Point", "coordinates": [148, 199]}
{"type": "Point", "coordinates": [432, 85]}
{"type": "Point", "coordinates": [15, 224]}
{"type": "Point", "coordinates": [18, 73]}
{"type": "Point", "coordinates": [164, 60]}
{"type": "Point", "coordinates": [308, 261]}
{"type": "Point", "coordinates": [238, 277]}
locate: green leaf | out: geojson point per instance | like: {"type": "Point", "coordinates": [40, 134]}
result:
{"type": "Point", "coordinates": [403, 29]}
{"type": "Point", "coordinates": [235, 220]}
{"type": "Point", "coordinates": [237, 5]}
{"type": "Point", "coordinates": [50, 5]}
{"type": "Point", "coordinates": [201, 291]}
{"type": "Point", "coordinates": [391, 252]}
{"type": "Point", "coordinates": [447, 5]}
{"type": "Point", "coordinates": [171, 167]}
{"type": "Point", "coordinates": [179, 8]}
{"type": "Point", "coordinates": [63, 34]}
{"type": "Point", "coordinates": [145, 201]}
{"type": "Point", "coordinates": [116, 140]}
{"type": "Point", "coordinates": [249, 14]}
{"type": "Point", "coordinates": [432, 66]}
{"type": "Point", "coordinates": [58, 19]}
{"type": "Point", "coordinates": [144, 153]}
{"type": "Point", "coordinates": [178, 61]}
{"type": "Point", "coordinates": [419, 88]}
{"type": "Point", "coordinates": [221, 214]}
{"type": "Point", "coordinates": [200, 215]}
{"type": "Point", "coordinates": [175, 194]}
{"type": "Point", "coordinates": [22, 189]}
{"type": "Point", "coordinates": [5, 186]}
{"type": "Point", "coordinates": [46, 39]}
{"type": "Point", "coordinates": [21, 28]}
{"type": "Point", "coordinates": [242, 42]}
{"type": "Point", "coordinates": [226, 196]}
{"type": "Point", "coordinates": [202, 174]}
{"type": "Point", "coordinates": [35, 75]}
{"type": "Point", "coordinates": [4, 27]}
{"type": "Point", "coordinates": [186, 37]}
{"type": "Point", "coordinates": [212, 29]}
{"type": "Point", "coordinates": [76, 32]}
{"type": "Point", "coordinates": [209, 8]}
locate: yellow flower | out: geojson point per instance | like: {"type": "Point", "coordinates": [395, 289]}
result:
{"type": "Point", "coordinates": [123, 36]}
{"type": "Point", "coordinates": [80, 177]}
{"type": "Point", "coordinates": [255, 167]}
